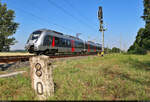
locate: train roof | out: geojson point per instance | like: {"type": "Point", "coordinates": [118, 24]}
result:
{"type": "Point", "coordinates": [73, 37]}
{"type": "Point", "coordinates": [59, 33]}
{"type": "Point", "coordinates": [91, 42]}
{"type": "Point", "coordinates": [99, 44]}
{"type": "Point", "coordinates": [69, 36]}
{"type": "Point", "coordinates": [50, 31]}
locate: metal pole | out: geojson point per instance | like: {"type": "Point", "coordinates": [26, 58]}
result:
{"type": "Point", "coordinates": [100, 17]}
{"type": "Point", "coordinates": [120, 43]}
{"type": "Point", "coordinates": [102, 40]}
{"type": "Point", "coordinates": [102, 30]}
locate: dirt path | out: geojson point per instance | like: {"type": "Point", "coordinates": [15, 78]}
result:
{"type": "Point", "coordinates": [11, 74]}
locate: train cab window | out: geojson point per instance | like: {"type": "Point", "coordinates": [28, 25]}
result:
{"type": "Point", "coordinates": [36, 35]}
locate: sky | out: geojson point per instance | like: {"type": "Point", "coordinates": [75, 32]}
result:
{"type": "Point", "coordinates": [122, 19]}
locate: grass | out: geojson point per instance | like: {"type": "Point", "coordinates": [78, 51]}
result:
{"type": "Point", "coordinates": [113, 77]}
{"type": "Point", "coordinates": [16, 88]}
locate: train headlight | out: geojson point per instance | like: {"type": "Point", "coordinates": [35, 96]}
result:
{"type": "Point", "coordinates": [36, 40]}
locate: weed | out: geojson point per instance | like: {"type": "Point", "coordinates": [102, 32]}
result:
{"type": "Point", "coordinates": [112, 77]}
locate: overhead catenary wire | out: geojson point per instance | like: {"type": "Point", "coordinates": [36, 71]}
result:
{"type": "Point", "coordinates": [78, 12]}
{"type": "Point", "coordinates": [37, 7]}
{"type": "Point", "coordinates": [69, 14]}
{"type": "Point", "coordinates": [81, 15]}
{"type": "Point", "coordinates": [42, 20]}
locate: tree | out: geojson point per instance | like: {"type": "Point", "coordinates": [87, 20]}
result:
{"type": "Point", "coordinates": [146, 16]}
{"type": "Point", "coordinates": [115, 50]}
{"type": "Point", "coordinates": [7, 27]}
{"type": "Point", "coordinates": [142, 42]}
{"type": "Point", "coordinates": [107, 50]}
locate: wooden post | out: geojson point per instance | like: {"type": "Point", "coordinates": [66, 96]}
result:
{"type": "Point", "coordinates": [41, 76]}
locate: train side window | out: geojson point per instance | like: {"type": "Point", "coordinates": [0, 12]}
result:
{"type": "Point", "coordinates": [60, 42]}
{"type": "Point", "coordinates": [76, 44]}
{"type": "Point", "coordinates": [47, 40]}
{"type": "Point", "coordinates": [86, 46]}
{"type": "Point", "coordinates": [63, 42]}
{"type": "Point", "coordinates": [91, 46]}
{"type": "Point", "coordinates": [57, 40]}
{"type": "Point", "coordinates": [68, 43]}
{"type": "Point", "coordinates": [81, 45]}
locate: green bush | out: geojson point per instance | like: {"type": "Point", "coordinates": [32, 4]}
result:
{"type": "Point", "coordinates": [138, 51]}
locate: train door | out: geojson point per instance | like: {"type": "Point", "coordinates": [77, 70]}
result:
{"type": "Point", "coordinates": [95, 48]}
{"type": "Point", "coordinates": [68, 45]}
{"type": "Point", "coordinates": [88, 47]}
{"type": "Point", "coordinates": [47, 42]}
{"type": "Point", "coordinates": [53, 42]}
{"type": "Point", "coordinates": [72, 46]}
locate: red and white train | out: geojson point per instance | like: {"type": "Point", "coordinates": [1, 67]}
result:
{"type": "Point", "coordinates": [46, 41]}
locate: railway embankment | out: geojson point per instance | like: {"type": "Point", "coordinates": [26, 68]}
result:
{"type": "Point", "coordinates": [112, 77]}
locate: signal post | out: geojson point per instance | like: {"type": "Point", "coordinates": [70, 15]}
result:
{"type": "Point", "coordinates": [101, 29]}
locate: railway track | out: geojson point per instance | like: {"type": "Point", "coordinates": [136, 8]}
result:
{"type": "Point", "coordinates": [7, 59]}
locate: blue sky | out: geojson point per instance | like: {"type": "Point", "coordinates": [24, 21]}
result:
{"type": "Point", "coordinates": [121, 18]}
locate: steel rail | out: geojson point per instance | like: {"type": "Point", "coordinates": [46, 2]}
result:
{"type": "Point", "coordinates": [7, 59]}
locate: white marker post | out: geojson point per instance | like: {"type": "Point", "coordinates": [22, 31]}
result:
{"type": "Point", "coordinates": [41, 76]}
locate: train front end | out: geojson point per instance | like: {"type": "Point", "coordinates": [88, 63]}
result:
{"type": "Point", "coordinates": [33, 43]}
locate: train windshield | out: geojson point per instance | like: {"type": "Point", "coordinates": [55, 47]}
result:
{"type": "Point", "coordinates": [35, 35]}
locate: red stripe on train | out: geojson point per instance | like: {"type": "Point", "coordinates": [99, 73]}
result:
{"type": "Point", "coordinates": [72, 43]}
{"type": "Point", "coordinates": [95, 49]}
{"type": "Point", "coordinates": [53, 42]}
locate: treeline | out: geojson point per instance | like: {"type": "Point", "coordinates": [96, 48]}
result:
{"type": "Point", "coordinates": [113, 50]}
{"type": "Point", "coordinates": [142, 42]}
{"type": "Point", "coordinates": [7, 27]}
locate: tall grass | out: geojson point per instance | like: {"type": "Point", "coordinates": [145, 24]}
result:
{"type": "Point", "coordinates": [113, 77]}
